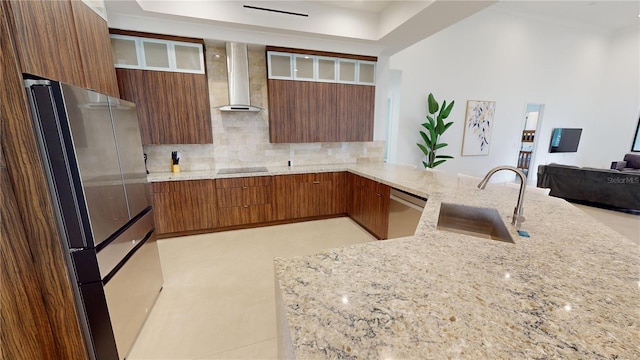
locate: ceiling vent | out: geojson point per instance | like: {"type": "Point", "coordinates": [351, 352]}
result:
{"type": "Point", "coordinates": [275, 10]}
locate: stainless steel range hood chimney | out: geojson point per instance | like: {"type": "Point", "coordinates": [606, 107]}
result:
{"type": "Point", "coordinates": [238, 72]}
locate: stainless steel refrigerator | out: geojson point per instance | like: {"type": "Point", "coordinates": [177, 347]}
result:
{"type": "Point", "coordinates": [91, 147]}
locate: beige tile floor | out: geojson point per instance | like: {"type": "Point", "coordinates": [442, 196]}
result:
{"type": "Point", "coordinates": [218, 299]}
{"type": "Point", "coordinates": [625, 224]}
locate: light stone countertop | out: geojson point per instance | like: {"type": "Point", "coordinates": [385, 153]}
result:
{"type": "Point", "coordinates": [271, 170]}
{"type": "Point", "coordinates": [571, 290]}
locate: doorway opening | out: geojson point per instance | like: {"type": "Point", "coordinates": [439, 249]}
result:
{"type": "Point", "coordinates": [532, 121]}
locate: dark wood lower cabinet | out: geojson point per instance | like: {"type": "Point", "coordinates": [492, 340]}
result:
{"type": "Point", "coordinates": [376, 210]}
{"type": "Point", "coordinates": [244, 201]}
{"type": "Point", "coordinates": [310, 195]}
{"type": "Point", "coordinates": [183, 206]}
{"type": "Point", "coordinates": [369, 204]}
{"type": "Point", "coordinates": [244, 215]}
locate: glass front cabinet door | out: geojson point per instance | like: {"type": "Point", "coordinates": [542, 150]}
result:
{"type": "Point", "coordinates": [366, 72]}
{"type": "Point", "coordinates": [124, 51]}
{"type": "Point", "coordinates": [326, 69]}
{"type": "Point", "coordinates": [347, 71]}
{"type": "Point", "coordinates": [134, 52]}
{"type": "Point", "coordinates": [306, 67]}
{"type": "Point", "coordinates": [280, 66]}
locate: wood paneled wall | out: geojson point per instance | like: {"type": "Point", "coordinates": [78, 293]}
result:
{"type": "Point", "coordinates": [23, 308]}
{"type": "Point", "coordinates": [38, 245]}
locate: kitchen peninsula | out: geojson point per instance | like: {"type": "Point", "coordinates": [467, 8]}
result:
{"type": "Point", "coordinates": [571, 290]}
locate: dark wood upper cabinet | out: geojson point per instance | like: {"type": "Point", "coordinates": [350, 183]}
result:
{"type": "Point", "coordinates": [299, 112]}
{"type": "Point", "coordinates": [95, 50]}
{"type": "Point", "coordinates": [355, 112]}
{"type": "Point", "coordinates": [304, 111]}
{"type": "Point", "coordinates": [322, 117]}
{"type": "Point", "coordinates": [173, 108]}
{"type": "Point", "coordinates": [300, 126]}
{"type": "Point", "coordinates": [280, 108]}
{"type": "Point", "coordinates": [47, 40]}
{"type": "Point", "coordinates": [319, 102]}
{"type": "Point", "coordinates": [64, 41]}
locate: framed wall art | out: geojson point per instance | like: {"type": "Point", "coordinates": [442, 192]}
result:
{"type": "Point", "coordinates": [478, 124]}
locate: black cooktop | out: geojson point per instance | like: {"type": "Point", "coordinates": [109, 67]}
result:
{"type": "Point", "coordinates": [242, 170]}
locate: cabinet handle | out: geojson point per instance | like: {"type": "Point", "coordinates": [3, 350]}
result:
{"type": "Point", "coordinates": [378, 194]}
{"type": "Point", "coordinates": [245, 206]}
{"type": "Point", "coordinates": [245, 187]}
{"type": "Point", "coordinates": [316, 182]}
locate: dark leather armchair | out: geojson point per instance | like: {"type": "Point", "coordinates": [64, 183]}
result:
{"type": "Point", "coordinates": [630, 162]}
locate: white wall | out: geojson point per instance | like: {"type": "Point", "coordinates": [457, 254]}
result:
{"type": "Point", "coordinates": [619, 104]}
{"type": "Point", "coordinates": [585, 79]}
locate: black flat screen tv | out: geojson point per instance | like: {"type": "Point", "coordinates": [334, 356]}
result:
{"type": "Point", "coordinates": [564, 140]}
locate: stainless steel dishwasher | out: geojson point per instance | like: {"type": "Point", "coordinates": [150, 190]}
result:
{"type": "Point", "coordinates": [405, 211]}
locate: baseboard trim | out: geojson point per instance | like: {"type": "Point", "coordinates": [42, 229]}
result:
{"type": "Point", "coordinates": [250, 226]}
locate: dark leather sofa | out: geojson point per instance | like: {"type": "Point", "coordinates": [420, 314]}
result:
{"type": "Point", "coordinates": [605, 187]}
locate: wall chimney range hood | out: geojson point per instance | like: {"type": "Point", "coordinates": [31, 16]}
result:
{"type": "Point", "coordinates": [238, 74]}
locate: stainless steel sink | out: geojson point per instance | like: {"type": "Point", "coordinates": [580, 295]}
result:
{"type": "Point", "coordinates": [469, 220]}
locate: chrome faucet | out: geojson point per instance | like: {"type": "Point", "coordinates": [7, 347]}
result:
{"type": "Point", "coordinates": [518, 218]}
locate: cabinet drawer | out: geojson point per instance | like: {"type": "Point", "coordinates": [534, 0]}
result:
{"type": "Point", "coordinates": [246, 195]}
{"type": "Point", "coordinates": [243, 182]}
{"type": "Point", "coordinates": [242, 215]}
{"type": "Point", "coordinates": [166, 186]}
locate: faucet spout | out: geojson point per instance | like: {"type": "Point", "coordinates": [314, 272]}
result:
{"type": "Point", "coordinates": [518, 218]}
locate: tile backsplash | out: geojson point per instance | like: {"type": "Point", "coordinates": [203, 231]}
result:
{"type": "Point", "coordinates": [241, 139]}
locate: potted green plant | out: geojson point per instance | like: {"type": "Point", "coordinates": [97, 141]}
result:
{"type": "Point", "coordinates": [435, 127]}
